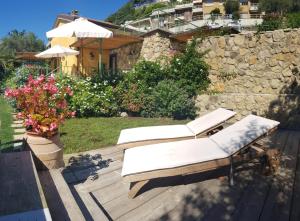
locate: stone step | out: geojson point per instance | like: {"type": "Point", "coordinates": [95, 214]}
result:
{"type": "Point", "coordinates": [20, 130]}
{"type": "Point", "coordinates": [59, 197]}
{"type": "Point", "coordinates": [19, 136]}
{"type": "Point", "coordinates": [14, 125]}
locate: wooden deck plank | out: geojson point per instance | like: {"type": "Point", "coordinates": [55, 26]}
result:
{"type": "Point", "coordinates": [96, 171]}
{"type": "Point", "coordinates": [244, 182]}
{"type": "Point", "coordinates": [94, 210]}
{"type": "Point", "coordinates": [111, 191]}
{"type": "Point", "coordinates": [278, 203]}
{"type": "Point", "coordinates": [182, 201]}
{"type": "Point", "coordinates": [105, 180]}
{"type": "Point", "coordinates": [295, 212]}
{"type": "Point", "coordinates": [252, 201]}
{"type": "Point", "coordinates": [123, 204]}
{"type": "Point", "coordinates": [59, 197]}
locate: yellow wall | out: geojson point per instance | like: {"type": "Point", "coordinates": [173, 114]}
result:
{"type": "Point", "coordinates": [208, 7]}
{"type": "Point", "coordinates": [244, 9]}
{"type": "Point", "coordinates": [72, 64]}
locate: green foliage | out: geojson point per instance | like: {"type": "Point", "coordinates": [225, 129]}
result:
{"type": "Point", "coordinates": [148, 72]}
{"type": "Point", "coordinates": [91, 97]}
{"type": "Point", "coordinates": [236, 15]}
{"type": "Point", "coordinates": [128, 12]}
{"type": "Point", "coordinates": [190, 70]}
{"type": "Point", "coordinates": [277, 6]}
{"type": "Point", "coordinates": [215, 11]}
{"type": "Point", "coordinates": [6, 131]}
{"type": "Point", "coordinates": [20, 75]}
{"type": "Point", "coordinates": [231, 6]}
{"type": "Point", "coordinates": [141, 91]}
{"type": "Point", "coordinates": [168, 99]}
{"type": "Point", "coordinates": [16, 41]}
{"type": "Point", "coordinates": [137, 84]}
{"type": "Point", "coordinates": [271, 22]}
{"type": "Point", "coordinates": [293, 20]}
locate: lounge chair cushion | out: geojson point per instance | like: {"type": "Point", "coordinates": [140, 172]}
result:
{"type": "Point", "coordinates": [170, 155]}
{"type": "Point", "coordinates": [154, 133]}
{"type": "Point", "coordinates": [210, 120]}
{"type": "Point", "coordinates": [242, 133]}
{"type": "Point", "coordinates": [193, 128]}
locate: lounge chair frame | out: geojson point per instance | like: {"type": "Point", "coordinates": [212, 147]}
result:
{"type": "Point", "coordinates": [246, 154]}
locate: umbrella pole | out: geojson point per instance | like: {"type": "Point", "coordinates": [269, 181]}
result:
{"type": "Point", "coordinates": [100, 57]}
{"type": "Point", "coordinates": [81, 55]}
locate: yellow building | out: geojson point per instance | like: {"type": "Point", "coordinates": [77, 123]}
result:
{"type": "Point", "coordinates": [248, 8]}
{"type": "Point", "coordinates": [87, 62]}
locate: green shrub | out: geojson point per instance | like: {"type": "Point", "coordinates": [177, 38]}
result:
{"type": "Point", "coordinates": [20, 75]}
{"type": "Point", "coordinates": [190, 70]}
{"type": "Point", "coordinates": [132, 97]}
{"type": "Point", "coordinates": [271, 22]}
{"type": "Point", "coordinates": [293, 20]}
{"type": "Point", "coordinates": [137, 85]}
{"type": "Point", "coordinates": [90, 98]}
{"type": "Point", "coordinates": [147, 71]}
{"type": "Point", "coordinates": [168, 99]}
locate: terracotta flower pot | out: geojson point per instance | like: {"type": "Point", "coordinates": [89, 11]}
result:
{"type": "Point", "coordinates": [48, 152]}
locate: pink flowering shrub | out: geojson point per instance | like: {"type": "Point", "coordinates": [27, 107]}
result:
{"type": "Point", "coordinates": [43, 105]}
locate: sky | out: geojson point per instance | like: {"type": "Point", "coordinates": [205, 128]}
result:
{"type": "Point", "coordinates": [38, 16]}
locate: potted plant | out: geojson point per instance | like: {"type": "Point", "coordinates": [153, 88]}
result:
{"type": "Point", "coordinates": [43, 108]}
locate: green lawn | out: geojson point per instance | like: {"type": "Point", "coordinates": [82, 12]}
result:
{"type": "Point", "coordinates": [6, 132]}
{"type": "Point", "coordinates": [82, 134]}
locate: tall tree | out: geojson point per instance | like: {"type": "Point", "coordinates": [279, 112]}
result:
{"type": "Point", "coordinates": [16, 41]}
{"type": "Point", "coordinates": [20, 41]}
{"type": "Point", "coordinates": [231, 6]}
{"type": "Point", "coordinates": [277, 6]}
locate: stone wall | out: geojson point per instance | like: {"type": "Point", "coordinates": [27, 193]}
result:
{"type": "Point", "coordinates": [128, 55]}
{"type": "Point", "coordinates": [156, 46]}
{"type": "Point", "coordinates": [255, 73]}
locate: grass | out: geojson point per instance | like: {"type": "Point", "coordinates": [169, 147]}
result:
{"type": "Point", "coordinates": [82, 134]}
{"type": "Point", "coordinates": [6, 131]}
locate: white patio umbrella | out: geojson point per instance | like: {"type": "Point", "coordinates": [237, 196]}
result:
{"type": "Point", "coordinates": [81, 28]}
{"type": "Point", "coordinates": [56, 52]}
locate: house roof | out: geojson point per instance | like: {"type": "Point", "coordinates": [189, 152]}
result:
{"type": "Point", "coordinates": [68, 17]}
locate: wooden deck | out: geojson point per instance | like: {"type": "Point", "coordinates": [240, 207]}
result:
{"type": "Point", "coordinates": [101, 193]}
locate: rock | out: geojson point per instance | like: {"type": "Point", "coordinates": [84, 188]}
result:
{"type": "Point", "coordinates": [233, 55]}
{"type": "Point", "coordinates": [221, 42]}
{"type": "Point", "coordinates": [278, 35]}
{"type": "Point", "coordinates": [123, 114]}
{"type": "Point", "coordinates": [273, 62]}
{"type": "Point", "coordinates": [239, 39]}
{"type": "Point", "coordinates": [275, 84]}
{"type": "Point", "coordinates": [220, 53]}
{"type": "Point", "coordinates": [287, 73]}
{"type": "Point", "coordinates": [252, 44]}
{"type": "Point", "coordinates": [252, 60]}
{"type": "Point", "coordinates": [243, 51]}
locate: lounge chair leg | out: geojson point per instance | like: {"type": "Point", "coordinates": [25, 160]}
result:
{"type": "Point", "coordinates": [135, 187]}
{"type": "Point", "coordinates": [231, 180]}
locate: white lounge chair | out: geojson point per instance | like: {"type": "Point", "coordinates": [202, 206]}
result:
{"type": "Point", "coordinates": [236, 143]}
{"type": "Point", "coordinates": [203, 125]}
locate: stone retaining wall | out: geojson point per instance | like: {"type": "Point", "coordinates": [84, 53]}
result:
{"type": "Point", "coordinates": [253, 73]}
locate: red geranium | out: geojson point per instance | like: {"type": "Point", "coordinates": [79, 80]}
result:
{"type": "Point", "coordinates": [43, 105]}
